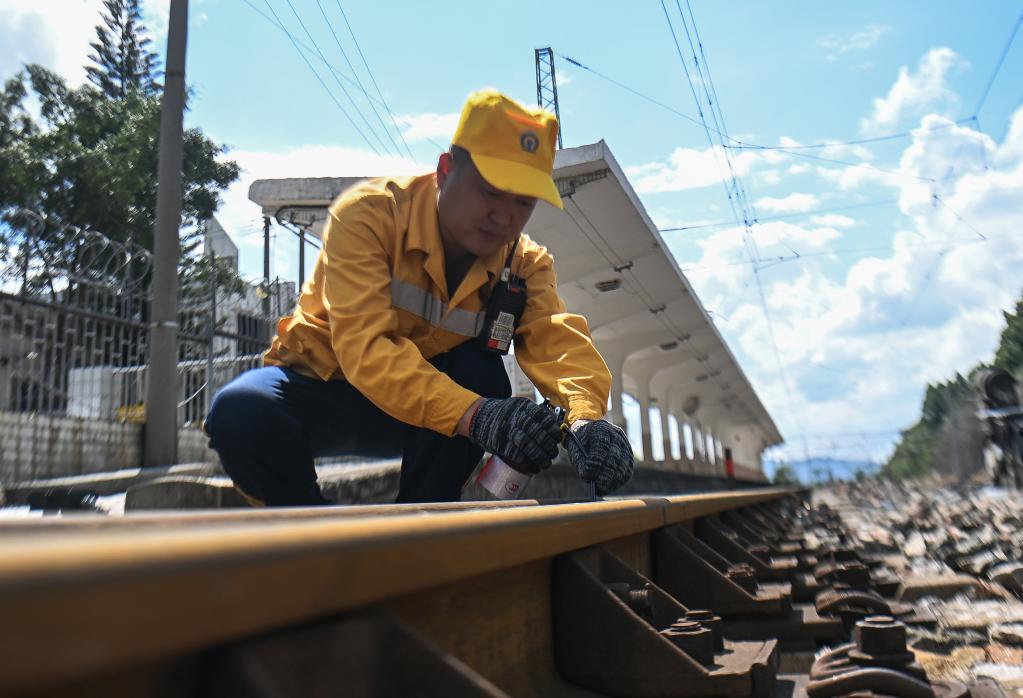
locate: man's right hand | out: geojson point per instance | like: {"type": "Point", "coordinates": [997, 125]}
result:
{"type": "Point", "coordinates": [518, 430]}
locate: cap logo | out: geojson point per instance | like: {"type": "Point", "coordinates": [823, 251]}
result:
{"type": "Point", "coordinates": [529, 141]}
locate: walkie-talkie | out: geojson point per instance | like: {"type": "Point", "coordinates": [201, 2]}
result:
{"type": "Point", "coordinates": [504, 309]}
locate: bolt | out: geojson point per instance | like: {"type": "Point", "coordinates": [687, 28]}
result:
{"type": "Point", "coordinates": [638, 600]}
{"type": "Point", "coordinates": [693, 639]}
{"type": "Point", "coordinates": [686, 626]}
{"type": "Point", "coordinates": [744, 576]}
{"type": "Point", "coordinates": [880, 636]}
{"type": "Point", "coordinates": [708, 620]}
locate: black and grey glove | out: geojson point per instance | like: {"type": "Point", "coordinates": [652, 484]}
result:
{"type": "Point", "coordinates": [518, 430]}
{"type": "Point", "coordinates": [601, 454]}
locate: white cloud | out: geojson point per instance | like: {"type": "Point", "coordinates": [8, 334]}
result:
{"type": "Point", "coordinates": [31, 32]}
{"type": "Point", "coordinates": [913, 93]}
{"type": "Point", "coordinates": [156, 14]}
{"type": "Point", "coordinates": [796, 202]}
{"type": "Point", "coordinates": [426, 126]}
{"type": "Point", "coordinates": [858, 347]}
{"type": "Point", "coordinates": [852, 177]}
{"type": "Point", "coordinates": [833, 220]}
{"type": "Point", "coordinates": [690, 168]}
{"type": "Point", "coordinates": [858, 41]}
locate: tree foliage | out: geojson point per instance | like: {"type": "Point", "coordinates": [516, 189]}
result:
{"type": "Point", "coordinates": [785, 475]}
{"type": "Point", "coordinates": [919, 446]}
{"type": "Point", "coordinates": [88, 156]}
{"type": "Point", "coordinates": [1009, 356]}
{"type": "Point", "coordinates": [122, 61]}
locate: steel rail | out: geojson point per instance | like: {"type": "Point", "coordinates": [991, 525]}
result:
{"type": "Point", "coordinates": [81, 605]}
{"type": "Point", "coordinates": [74, 523]}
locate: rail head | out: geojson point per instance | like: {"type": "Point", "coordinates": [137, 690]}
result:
{"type": "Point", "coordinates": [157, 591]}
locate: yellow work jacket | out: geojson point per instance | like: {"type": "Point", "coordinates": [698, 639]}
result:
{"type": "Point", "coordinates": [376, 308]}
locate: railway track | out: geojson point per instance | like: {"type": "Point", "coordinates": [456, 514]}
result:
{"type": "Point", "coordinates": [698, 595]}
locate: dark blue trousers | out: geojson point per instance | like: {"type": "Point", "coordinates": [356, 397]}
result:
{"type": "Point", "coordinates": [268, 424]}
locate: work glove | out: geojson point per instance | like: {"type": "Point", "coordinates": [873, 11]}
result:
{"type": "Point", "coordinates": [524, 434]}
{"type": "Point", "coordinates": [601, 454]}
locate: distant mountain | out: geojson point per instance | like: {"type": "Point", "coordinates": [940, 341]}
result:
{"type": "Point", "coordinates": [821, 469]}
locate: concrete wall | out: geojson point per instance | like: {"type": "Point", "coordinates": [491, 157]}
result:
{"type": "Point", "coordinates": [33, 447]}
{"type": "Point", "coordinates": [36, 446]}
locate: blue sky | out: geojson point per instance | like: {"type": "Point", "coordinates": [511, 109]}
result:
{"type": "Point", "coordinates": [923, 267]}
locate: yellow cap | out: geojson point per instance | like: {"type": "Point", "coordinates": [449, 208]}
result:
{"type": "Point", "coordinates": [511, 145]}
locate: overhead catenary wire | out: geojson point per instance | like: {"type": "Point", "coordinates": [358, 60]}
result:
{"type": "Point", "coordinates": [757, 267]}
{"type": "Point", "coordinates": [355, 74]}
{"type": "Point", "coordinates": [320, 80]}
{"type": "Point", "coordinates": [373, 79]}
{"type": "Point", "coordinates": [806, 256]}
{"type": "Point", "coordinates": [857, 141]}
{"type": "Point", "coordinates": [736, 143]}
{"type": "Point", "coordinates": [347, 95]}
{"type": "Point", "coordinates": [938, 200]}
{"type": "Point", "coordinates": [780, 216]}
{"type": "Point", "coordinates": [302, 46]}
{"type": "Point", "coordinates": [821, 158]}
{"type": "Point", "coordinates": [740, 199]}
{"type": "Point", "coordinates": [998, 65]}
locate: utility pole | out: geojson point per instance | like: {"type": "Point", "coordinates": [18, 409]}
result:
{"type": "Point", "coordinates": [266, 266]}
{"type": "Point", "coordinates": [161, 433]}
{"type": "Point", "coordinates": [301, 256]}
{"type": "Point", "coordinates": [547, 85]}
{"type": "Point", "coordinates": [211, 334]}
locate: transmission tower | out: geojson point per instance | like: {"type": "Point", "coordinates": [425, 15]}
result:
{"type": "Point", "coordinates": [547, 85]}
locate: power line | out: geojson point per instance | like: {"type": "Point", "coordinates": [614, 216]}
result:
{"type": "Point", "coordinates": [998, 65]}
{"type": "Point", "coordinates": [351, 100]}
{"type": "Point", "coordinates": [950, 243]}
{"type": "Point", "coordinates": [300, 46]}
{"type": "Point", "coordinates": [355, 74]}
{"type": "Point", "coordinates": [629, 89]}
{"type": "Point", "coordinates": [320, 80]}
{"type": "Point", "coordinates": [742, 144]}
{"type": "Point", "coordinates": [373, 79]}
{"type": "Point", "coordinates": [858, 141]}
{"type": "Point", "coordinates": [955, 213]}
{"type": "Point", "coordinates": [741, 199]}
{"type": "Point", "coordinates": [808, 156]}
{"type": "Point", "coordinates": [789, 150]}
{"type": "Point", "coordinates": [780, 216]}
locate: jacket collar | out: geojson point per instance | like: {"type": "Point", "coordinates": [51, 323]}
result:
{"type": "Point", "coordinates": [424, 226]}
{"type": "Point", "coordinates": [424, 235]}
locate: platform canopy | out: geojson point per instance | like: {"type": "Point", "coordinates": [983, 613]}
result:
{"type": "Point", "coordinates": [613, 268]}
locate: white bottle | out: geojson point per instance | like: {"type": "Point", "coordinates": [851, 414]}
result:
{"type": "Point", "coordinates": [502, 480]}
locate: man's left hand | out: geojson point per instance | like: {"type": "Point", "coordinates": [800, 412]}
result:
{"type": "Point", "coordinates": [608, 460]}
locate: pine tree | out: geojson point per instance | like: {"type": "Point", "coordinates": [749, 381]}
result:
{"type": "Point", "coordinates": [123, 61]}
{"type": "Point", "coordinates": [1009, 356]}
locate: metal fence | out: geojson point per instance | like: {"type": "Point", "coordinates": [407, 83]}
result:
{"type": "Point", "coordinates": [74, 312]}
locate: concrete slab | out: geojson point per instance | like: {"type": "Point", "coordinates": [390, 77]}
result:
{"type": "Point", "coordinates": [110, 482]}
{"type": "Point", "coordinates": [942, 586]}
{"type": "Point", "coordinates": [184, 492]}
